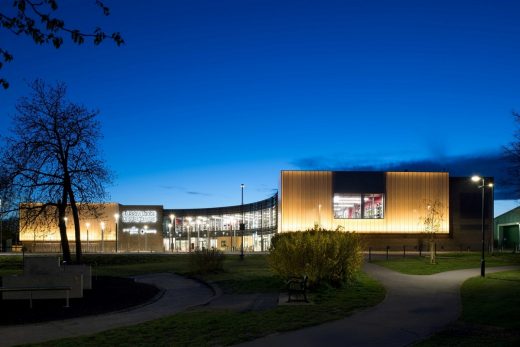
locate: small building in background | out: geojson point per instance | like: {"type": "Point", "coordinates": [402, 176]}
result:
{"type": "Point", "coordinates": [507, 230]}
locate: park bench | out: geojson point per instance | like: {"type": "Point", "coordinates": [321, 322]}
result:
{"type": "Point", "coordinates": [45, 278]}
{"type": "Point", "coordinates": [297, 289]}
{"type": "Point", "coordinates": [31, 290]}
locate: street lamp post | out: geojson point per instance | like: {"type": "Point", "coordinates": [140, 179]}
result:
{"type": "Point", "coordinates": [65, 220]}
{"type": "Point", "coordinates": [102, 237]}
{"type": "Point", "coordinates": [190, 224]}
{"type": "Point", "coordinates": [482, 256]}
{"type": "Point", "coordinates": [88, 226]}
{"type": "Point", "coordinates": [116, 218]}
{"type": "Point", "coordinates": [170, 235]}
{"type": "Point", "coordinates": [198, 233]}
{"type": "Point", "coordinates": [172, 220]}
{"type": "Point", "coordinates": [139, 231]}
{"type": "Point", "coordinates": [242, 225]}
{"type": "Point", "coordinates": [145, 237]}
{"type": "Point", "coordinates": [492, 236]}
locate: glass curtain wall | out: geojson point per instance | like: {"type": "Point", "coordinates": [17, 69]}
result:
{"type": "Point", "coordinates": [219, 228]}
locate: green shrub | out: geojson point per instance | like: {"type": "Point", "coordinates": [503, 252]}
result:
{"type": "Point", "coordinates": [206, 260]}
{"type": "Point", "coordinates": [323, 255]}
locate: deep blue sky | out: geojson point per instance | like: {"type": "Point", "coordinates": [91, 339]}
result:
{"type": "Point", "coordinates": [206, 95]}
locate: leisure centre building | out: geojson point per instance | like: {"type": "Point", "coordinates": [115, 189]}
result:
{"type": "Point", "coordinates": [386, 208]}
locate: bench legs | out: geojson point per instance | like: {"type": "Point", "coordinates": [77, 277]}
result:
{"type": "Point", "coordinates": [67, 296]}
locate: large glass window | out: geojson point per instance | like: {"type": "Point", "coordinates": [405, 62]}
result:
{"type": "Point", "coordinates": [347, 206]}
{"type": "Point", "coordinates": [373, 206]}
{"type": "Point", "coordinates": [358, 206]}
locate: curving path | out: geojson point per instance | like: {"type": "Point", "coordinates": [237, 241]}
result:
{"type": "Point", "coordinates": [179, 294]}
{"type": "Point", "coordinates": [414, 308]}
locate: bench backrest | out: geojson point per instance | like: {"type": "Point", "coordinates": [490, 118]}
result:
{"type": "Point", "coordinates": [41, 265]}
{"type": "Point", "coordinates": [84, 270]}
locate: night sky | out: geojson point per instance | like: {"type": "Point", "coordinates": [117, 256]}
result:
{"type": "Point", "coordinates": [206, 95]}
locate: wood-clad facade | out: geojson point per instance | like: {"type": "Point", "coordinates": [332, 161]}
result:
{"type": "Point", "coordinates": [307, 199]}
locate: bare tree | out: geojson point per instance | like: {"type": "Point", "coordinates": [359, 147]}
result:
{"type": "Point", "coordinates": [432, 222]}
{"type": "Point", "coordinates": [35, 19]}
{"type": "Point", "coordinates": [512, 154]}
{"type": "Point", "coordinates": [52, 158]}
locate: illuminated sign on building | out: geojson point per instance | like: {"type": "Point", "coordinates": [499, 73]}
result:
{"type": "Point", "coordinates": [134, 231]}
{"type": "Point", "coordinates": [147, 216]}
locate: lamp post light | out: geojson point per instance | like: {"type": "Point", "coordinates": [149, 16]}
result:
{"type": "Point", "coordinates": [139, 231]}
{"type": "Point", "coordinates": [190, 224]}
{"type": "Point", "coordinates": [116, 218]}
{"type": "Point", "coordinates": [198, 233]}
{"type": "Point", "coordinates": [170, 235]}
{"type": "Point", "coordinates": [172, 220]}
{"type": "Point", "coordinates": [145, 237]}
{"type": "Point", "coordinates": [482, 186]}
{"type": "Point", "coordinates": [88, 226]}
{"type": "Point", "coordinates": [242, 225]}
{"type": "Point", "coordinates": [319, 216]}
{"type": "Point", "coordinates": [492, 236]}
{"type": "Point", "coordinates": [65, 222]}
{"type": "Point", "coordinates": [102, 237]}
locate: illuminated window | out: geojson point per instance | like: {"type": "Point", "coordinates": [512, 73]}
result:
{"type": "Point", "coordinates": [373, 206]}
{"type": "Point", "coordinates": [347, 206]}
{"type": "Point", "coordinates": [358, 206]}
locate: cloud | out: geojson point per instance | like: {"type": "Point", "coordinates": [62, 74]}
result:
{"type": "Point", "coordinates": [197, 193]}
{"type": "Point", "coordinates": [488, 164]}
{"type": "Point", "coordinates": [170, 187]}
{"type": "Point", "coordinates": [184, 190]}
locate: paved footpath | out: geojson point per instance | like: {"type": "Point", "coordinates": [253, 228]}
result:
{"type": "Point", "coordinates": [179, 294]}
{"type": "Point", "coordinates": [414, 308]}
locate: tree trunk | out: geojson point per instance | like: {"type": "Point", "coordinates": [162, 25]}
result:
{"type": "Point", "coordinates": [63, 230]}
{"type": "Point", "coordinates": [433, 259]}
{"type": "Point", "coordinates": [77, 226]}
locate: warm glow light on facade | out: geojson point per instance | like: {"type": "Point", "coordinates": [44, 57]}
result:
{"type": "Point", "coordinates": [46, 229]}
{"type": "Point", "coordinates": [308, 199]}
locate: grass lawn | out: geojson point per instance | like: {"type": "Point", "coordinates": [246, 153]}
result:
{"type": "Point", "coordinates": [415, 265]}
{"type": "Point", "coordinates": [490, 313]}
{"type": "Point", "coordinates": [203, 326]}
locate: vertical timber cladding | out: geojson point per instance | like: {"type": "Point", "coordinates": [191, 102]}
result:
{"type": "Point", "coordinates": [306, 200]}
{"type": "Point", "coordinates": [407, 197]}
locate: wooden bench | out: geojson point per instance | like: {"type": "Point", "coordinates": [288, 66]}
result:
{"type": "Point", "coordinates": [30, 290]}
{"type": "Point", "coordinates": [297, 288]}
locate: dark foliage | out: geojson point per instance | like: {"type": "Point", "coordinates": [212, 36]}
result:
{"type": "Point", "coordinates": [328, 256]}
{"type": "Point", "coordinates": [512, 154]}
{"type": "Point", "coordinates": [36, 19]}
{"type": "Point", "coordinates": [206, 260]}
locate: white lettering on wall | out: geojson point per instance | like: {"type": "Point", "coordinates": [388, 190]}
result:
{"type": "Point", "coordinates": [134, 230]}
{"type": "Point", "coordinates": [148, 216]}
